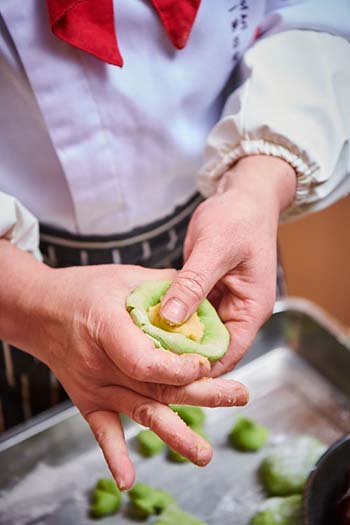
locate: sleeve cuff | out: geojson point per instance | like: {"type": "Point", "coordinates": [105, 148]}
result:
{"type": "Point", "coordinates": [18, 225]}
{"type": "Point", "coordinates": [276, 147]}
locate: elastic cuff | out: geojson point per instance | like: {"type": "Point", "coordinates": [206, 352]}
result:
{"type": "Point", "coordinates": [210, 176]}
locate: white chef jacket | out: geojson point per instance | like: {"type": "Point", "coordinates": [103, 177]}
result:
{"type": "Point", "coordinates": [95, 149]}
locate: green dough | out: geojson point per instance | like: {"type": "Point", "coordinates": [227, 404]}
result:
{"type": "Point", "coordinates": [285, 469]}
{"type": "Point", "coordinates": [172, 515]}
{"type": "Point", "coordinates": [175, 457]}
{"type": "Point", "coordinates": [192, 416]}
{"type": "Point", "coordinates": [246, 435]}
{"type": "Point", "coordinates": [149, 443]}
{"type": "Point", "coordinates": [280, 511]}
{"type": "Point", "coordinates": [214, 342]}
{"type": "Point", "coordinates": [147, 500]}
{"type": "Point", "coordinates": [105, 498]}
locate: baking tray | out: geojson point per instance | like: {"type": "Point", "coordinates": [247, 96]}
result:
{"type": "Point", "coordinates": [298, 374]}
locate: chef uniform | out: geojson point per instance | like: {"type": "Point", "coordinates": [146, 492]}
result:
{"type": "Point", "coordinates": [108, 160]}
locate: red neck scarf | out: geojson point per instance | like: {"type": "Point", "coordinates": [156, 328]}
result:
{"type": "Point", "coordinates": [89, 24]}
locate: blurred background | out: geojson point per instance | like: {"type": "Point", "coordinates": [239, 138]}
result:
{"type": "Point", "coordinates": [316, 256]}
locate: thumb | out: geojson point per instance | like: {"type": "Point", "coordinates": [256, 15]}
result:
{"type": "Point", "coordinates": [203, 269]}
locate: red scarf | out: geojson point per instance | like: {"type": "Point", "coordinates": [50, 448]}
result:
{"type": "Point", "coordinates": [89, 24]}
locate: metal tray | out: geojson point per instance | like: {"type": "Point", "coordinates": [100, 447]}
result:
{"type": "Point", "coordinates": [298, 373]}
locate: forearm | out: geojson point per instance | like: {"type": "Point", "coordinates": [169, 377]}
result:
{"type": "Point", "coordinates": [22, 291]}
{"type": "Point", "coordinates": [264, 179]}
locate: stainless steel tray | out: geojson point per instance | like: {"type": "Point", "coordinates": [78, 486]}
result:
{"type": "Point", "coordinates": [300, 383]}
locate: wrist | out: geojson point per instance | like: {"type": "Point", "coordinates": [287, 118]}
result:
{"type": "Point", "coordinates": [23, 292]}
{"type": "Point", "coordinates": [262, 177]}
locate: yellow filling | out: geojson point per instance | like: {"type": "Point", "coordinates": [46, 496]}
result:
{"type": "Point", "coordinates": [192, 328]}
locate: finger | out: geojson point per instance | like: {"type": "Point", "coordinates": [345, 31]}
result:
{"type": "Point", "coordinates": [241, 338]}
{"type": "Point", "coordinates": [134, 353]}
{"type": "Point", "coordinates": [243, 318]}
{"type": "Point", "coordinates": [216, 294]}
{"type": "Point", "coordinates": [163, 421]}
{"type": "Point", "coordinates": [204, 392]}
{"type": "Point", "coordinates": [188, 243]}
{"type": "Point", "coordinates": [108, 432]}
{"type": "Point", "coordinates": [208, 392]}
{"type": "Point", "coordinates": [139, 274]}
{"type": "Point", "coordinates": [202, 270]}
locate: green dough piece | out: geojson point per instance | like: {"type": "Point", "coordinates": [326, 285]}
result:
{"type": "Point", "coordinates": [108, 485]}
{"type": "Point", "coordinates": [247, 435]}
{"type": "Point", "coordinates": [192, 416]}
{"type": "Point", "coordinates": [280, 511]}
{"type": "Point", "coordinates": [172, 515]}
{"type": "Point", "coordinates": [147, 500]}
{"type": "Point", "coordinates": [215, 339]}
{"type": "Point", "coordinates": [175, 457]}
{"type": "Point", "coordinates": [105, 498]}
{"type": "Point", "coordinates": [149, 443]}
{"type": "Point", "coordinates": [285, 469]}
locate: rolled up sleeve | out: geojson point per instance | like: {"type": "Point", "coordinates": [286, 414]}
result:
{"type": "Point", "coordinates": [294, 104]}
{"type": "Point", "coordinates": [18, 225]}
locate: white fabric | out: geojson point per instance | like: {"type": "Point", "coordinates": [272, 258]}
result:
{"type": "Point", "coordinates": [329, 16]}
{"type": "Point", "coordinates": [18, 225]}
{"type": "Point", "coordinates": [91, 148]}
{"type": "Point", "coordinates": [294, 104]}
{"type": "Point", "coordinates": [128, 141]}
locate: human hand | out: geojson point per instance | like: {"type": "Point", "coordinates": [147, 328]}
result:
{"type": "Point", "coordinates": [230, 253]}
{"type": "Point", "coordinates": [79, 326]}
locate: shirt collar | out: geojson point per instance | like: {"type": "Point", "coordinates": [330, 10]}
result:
{"type": "Point", "coordinates": [89, 24]}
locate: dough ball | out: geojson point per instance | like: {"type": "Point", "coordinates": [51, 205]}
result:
{"type": "Point", "coordinates": [285, 469]}
{"type": "Point", "coordinates": [149, 443]}
{"type": "Point", "coordinates": [280, 511]}
{"type": "Point", "coordinates": [247, 435]}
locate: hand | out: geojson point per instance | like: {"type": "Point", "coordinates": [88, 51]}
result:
{"type": "Point", "coordinates": [75, 320]}
{"type": "Point", "coordinates": [230, 253]}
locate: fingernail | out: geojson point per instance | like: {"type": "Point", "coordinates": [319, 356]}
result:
{"type": "Point", "coordinates": [204, 363]}
{"type": "Point", "coordinates": [240, 398]}
{"type": "Point", "coordinates": [121, 484]}
{"type": "Point", "coordinates": [204, 454]}
{"type": "Point", "coordinates": [245, 395]}
{"type": "Point", "coordinates": [174, 311]}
